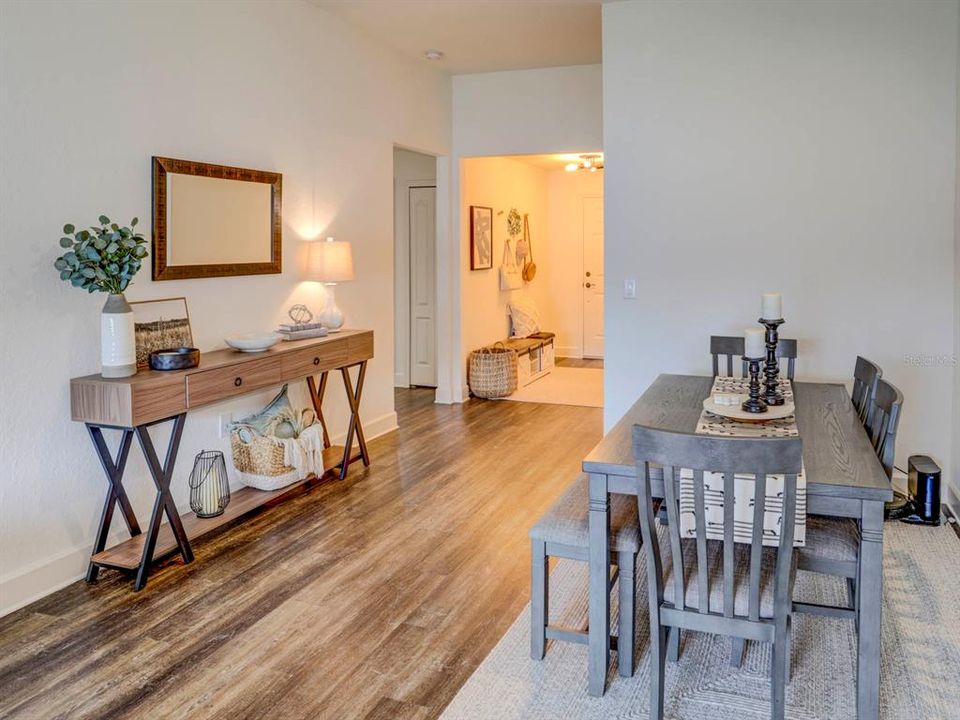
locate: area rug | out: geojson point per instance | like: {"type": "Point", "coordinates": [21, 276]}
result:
{"type": "Point", "coordinates": [564, 386]}
{"type": "Point", "coordinates": [920, 654]}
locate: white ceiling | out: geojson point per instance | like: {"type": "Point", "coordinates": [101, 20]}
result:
{"type": "Point", "coordinates": [481, 35]}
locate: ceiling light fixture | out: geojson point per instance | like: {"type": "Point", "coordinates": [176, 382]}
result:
{"type": "Point", "coordinates": [432, 54]}
{"type": "Point", "coordinates": [592, 162]}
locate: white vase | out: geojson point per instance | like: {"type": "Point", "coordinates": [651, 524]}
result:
{"type": "Point", "coordinates": [331, 316]}
{"type": "Point", "coordinates": [118, 353]}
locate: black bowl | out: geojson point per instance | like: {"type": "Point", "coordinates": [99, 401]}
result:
{"type": "Point", "coordinates": [179, 358]}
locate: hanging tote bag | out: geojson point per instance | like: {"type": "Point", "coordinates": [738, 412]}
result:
{"type": "Point", "coordinates": [493, 371]}
{"type": "Point", "coordinates": [529, 267]}
{"type": "Point", "coordinates": [511, 277]}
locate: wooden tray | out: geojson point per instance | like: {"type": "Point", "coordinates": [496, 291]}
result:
{"type": "Point", "coordinates": [735, 412]}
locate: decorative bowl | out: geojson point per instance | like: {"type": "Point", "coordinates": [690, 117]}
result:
{"type": "Point", "coordinates": [179, 358]}
{"type": "Point", "coordinates": [735, 412]}
{"type": "Point", "coordinates": [253, 342]}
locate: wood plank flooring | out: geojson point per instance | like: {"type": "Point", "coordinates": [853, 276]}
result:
{"type": "Point", "coordinates": [580, 362]}
{"type": "Point", "coordinates": [372, 598]}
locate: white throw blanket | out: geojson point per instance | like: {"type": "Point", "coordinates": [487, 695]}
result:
{"type": "Point", "coordinates": [304, 453]}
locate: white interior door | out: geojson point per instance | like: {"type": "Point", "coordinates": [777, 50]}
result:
{"type": "Point", "coordinates": [423, 286]}
{"type": "Point", "coordinates": [592, 285]}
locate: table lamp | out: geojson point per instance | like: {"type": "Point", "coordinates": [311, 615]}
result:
{"type": "Point", "coordinates": [329, 262]}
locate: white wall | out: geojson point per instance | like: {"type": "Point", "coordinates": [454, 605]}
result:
{"type": "Point", "coordinates": [500, 184]}
{"type": "Point", "coordinates": [564, 253]}
{"type": "Point", "coordinates": [277, 86]}
{"type": "Point", "coordinates": [519, 112]}
{"type": "Point", "coordinates": [955, 500]}
{"type": "Point", "coordinates": [522, 112]}
{"type": "Point", "coordinates": [802, 147]}
{"type": "Point", "coordinates": [408, 167]}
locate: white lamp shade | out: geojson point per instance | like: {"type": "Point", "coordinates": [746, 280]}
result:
{"type": "Point", "coordinates": [330, 261]}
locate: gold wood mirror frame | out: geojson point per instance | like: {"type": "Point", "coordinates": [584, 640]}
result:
{"type": "Point", "coordinates": [214, 220]}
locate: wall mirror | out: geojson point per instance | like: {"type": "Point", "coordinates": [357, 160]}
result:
{"type": "Point", "coordinates": [214, 220]}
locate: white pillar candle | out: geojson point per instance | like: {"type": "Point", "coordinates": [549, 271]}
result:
{"type": "Point", "coordinates": [211, 492]}
{"type": "Point", "coordinates": [772, 306]}
{"type": "Point", "coordinates": [754, 342]}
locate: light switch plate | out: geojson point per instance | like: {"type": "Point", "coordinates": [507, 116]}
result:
{"type": "Point", "coordinates": [630, 288]}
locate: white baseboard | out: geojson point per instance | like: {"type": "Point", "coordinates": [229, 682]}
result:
{"type": "Point", "coordinates": [38, 579]}
{"type": "Point", "coordinates": [372, 429]}
{"type": "Point", "coordinates": [575, 352]}
{"type": "Point", "coordinates": [952, 498]}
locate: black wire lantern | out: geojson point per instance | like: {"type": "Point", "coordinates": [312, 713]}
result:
{"type": "Point", "coordinates": [209, 486]}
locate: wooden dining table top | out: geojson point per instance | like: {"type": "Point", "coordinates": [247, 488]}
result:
{"type": "Point", "coordinates": [838, 458]}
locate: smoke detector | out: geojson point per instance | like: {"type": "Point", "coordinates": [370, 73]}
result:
{"type": "Point", "coordinates": [432, 54]}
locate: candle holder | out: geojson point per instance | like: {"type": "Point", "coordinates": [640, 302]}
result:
{"type": "Point", "coordinates": [771, 370]}
{"type": "Point", "coordinates": [755, 404]}
{"type": "Point", "coordinates": [209, 486]}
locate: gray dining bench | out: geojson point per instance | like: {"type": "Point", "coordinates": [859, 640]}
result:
{"type": "Point", "coordinates": [844, 479]}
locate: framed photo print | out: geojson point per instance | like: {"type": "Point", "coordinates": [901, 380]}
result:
{"type": "Point", "coordinates": [481, 238]}
{"type": "Point", "coordinates": [160, 325]}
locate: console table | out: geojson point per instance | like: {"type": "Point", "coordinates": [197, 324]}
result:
{"type": "Point", "coordinates": [132, 404]}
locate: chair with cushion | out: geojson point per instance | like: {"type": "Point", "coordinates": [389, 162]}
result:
{"type": "Point", "coordinates": [833, 544]}
{"type": "Point", "coordinates": [866, 374]}
{"type": "Point", "coordinates": [732, 347]}
{"type": "Point", "coordinates": [884, 421]}
{"type": "Point", "coordinates": [747, 600]}
{"type": "Point", "coordinates": [563, 532]}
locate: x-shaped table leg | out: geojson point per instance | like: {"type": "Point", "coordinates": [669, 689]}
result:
{"type": "Point", "coordinates": [316, 397]}
{"type": "Point", "coordinates": [162, 475]}
{"type": "Point", "coordinates": [115, 495]}
{"type": "Point", "coordinates": [354, 427]}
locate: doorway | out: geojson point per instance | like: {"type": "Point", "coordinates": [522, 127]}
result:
{"type": "Point", "coordinates": [415, 269]}
{"type": "Point", "coordinates": [423, 286]}
{"type": "Point", "coordinates": [551, 313]}
{"type": "Point", "coordinates": [592, 254]}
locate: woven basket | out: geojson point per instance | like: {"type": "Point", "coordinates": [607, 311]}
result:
{"type": "Point", "coordinates": [493, 371]}
{"type": "Point", "coordinates": [259, 458]}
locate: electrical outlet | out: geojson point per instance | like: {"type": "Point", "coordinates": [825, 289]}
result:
{"type": "Point", "coordinates": [225, 420]}
{"type": "Point", "coordinates": [630, 288]}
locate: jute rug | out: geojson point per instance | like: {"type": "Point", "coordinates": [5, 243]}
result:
{"type": "Point", "coordinates": [564, 386]}
{"type": "Point", "coordinates": [920, 653]}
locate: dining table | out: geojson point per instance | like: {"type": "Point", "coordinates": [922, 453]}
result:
{"type": "Point", "coordinates": [844, 480]}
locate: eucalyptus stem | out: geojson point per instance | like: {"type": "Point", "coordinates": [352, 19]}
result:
{"type": "Point", "coordinates": [104, 258]}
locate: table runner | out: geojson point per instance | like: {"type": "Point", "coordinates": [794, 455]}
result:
{"type": "Point", "coordinates": [710, 424]}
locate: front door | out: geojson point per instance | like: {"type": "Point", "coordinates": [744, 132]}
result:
{"type": "Point", "coordinates": [423, 286]}
{"type": "Point", "coordinates": [592, 286]}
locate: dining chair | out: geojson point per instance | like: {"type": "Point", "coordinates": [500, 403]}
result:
{"type": "Point", "coordinates": [564, 532]}
{"type": "Point", "coordinates": [833, 544]}
{"type": "Point", "coordinates": [758, 609]}
{"type": "Point", "coordinates": [865, 377]}
{"type": "Point", "coordinates": [732, 347]}
{"type": "Point", "coordinates": [884, 421]}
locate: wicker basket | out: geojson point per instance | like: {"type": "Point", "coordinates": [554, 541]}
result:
{"type": "Point", "coordinates": [259, 459]}
{"type": "Point", "coordinates": [493, 371]}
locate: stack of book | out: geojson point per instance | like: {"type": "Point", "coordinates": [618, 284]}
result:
{"type": "Point", "coordinates": [301, 331]}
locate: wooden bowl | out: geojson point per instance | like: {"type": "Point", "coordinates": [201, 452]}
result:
{"type": "Point", "coordinates": [179, 358]}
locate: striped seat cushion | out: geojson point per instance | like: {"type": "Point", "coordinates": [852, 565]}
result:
{"type": "Point", "coordinates": [567, 523]}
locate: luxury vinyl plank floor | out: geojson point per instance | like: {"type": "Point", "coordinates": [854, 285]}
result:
{"type": "Point", "coordinates": [371, 598]}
